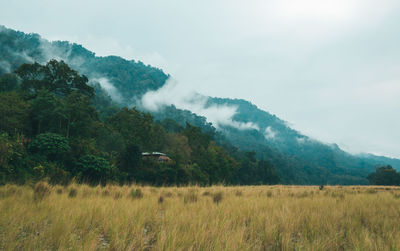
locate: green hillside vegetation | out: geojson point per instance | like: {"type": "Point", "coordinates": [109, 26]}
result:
{"type": "Point", "coordinates": [305, 160]}
{"type": "Point", "coordinates": [51, 129]}
{"type": "Point", "coordinates": [297, 158]}
{"type": "Point", "coordinates": [384, 176]}
{"type": "Point", "coordinates": [131, 78]}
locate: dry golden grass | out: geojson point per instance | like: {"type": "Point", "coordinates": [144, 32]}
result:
{"type": "Point", "coordinates": [80, 217]}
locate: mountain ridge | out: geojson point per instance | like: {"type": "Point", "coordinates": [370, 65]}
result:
{"type": "Point", "coordinates": [298, 158]}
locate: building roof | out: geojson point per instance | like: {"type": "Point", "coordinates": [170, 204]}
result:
{"type": "Point", "coordinates": [153, 154]}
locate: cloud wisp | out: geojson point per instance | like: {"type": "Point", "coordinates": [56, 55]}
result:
{"type": "Point", "coordinates": [269, 133]}
{"type": "Point", "coordinates": [183, 98]}
{"type": "Point", "coordinates": [106, 84]}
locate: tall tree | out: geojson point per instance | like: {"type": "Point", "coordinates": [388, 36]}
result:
{"type": "Point", "coordinates": [55, 76]}
{"type": "Point", "coordinates": [14, 113]}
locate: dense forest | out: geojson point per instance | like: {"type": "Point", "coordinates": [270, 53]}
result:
{"type": "Point", "coordinates": [384, 176]}
{"type": "Point", "coordinates": [119, 83]}
{"type": "Point", "coordinates": [55, 126]}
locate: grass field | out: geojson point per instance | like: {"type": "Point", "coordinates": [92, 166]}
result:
{"type": "Point", "coordinates": [79, 217]}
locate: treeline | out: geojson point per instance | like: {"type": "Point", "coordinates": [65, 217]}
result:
{"type": "Point", "coordinates": [384, 176]}
{"type": "Point", "coordinates": [55, 126]}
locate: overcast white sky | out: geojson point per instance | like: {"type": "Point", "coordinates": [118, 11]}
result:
{"type": "Point", "coordinates": [331, 68]}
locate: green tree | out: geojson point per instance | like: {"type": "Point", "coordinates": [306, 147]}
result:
{"type": "Point", "coordinates": [52, 146]}
{"type": "Point", "coordinates": [46, 112]}
{"type": "Point", "coordinates": [130, 161]}
{"type": "Point", "coordinates": [14, 113]}
{"type": "Point", "coordinates": [384, 175]}
{"type": "Point", "coordinates": [13, 164]}
{"type": "Point", "coordinates": [55, 76]}
{"type": "Point", "coordinates": [93, 169]}
{"type": "Point", "coordinates": [8, 82]}
{"type": "Point", "coordinates": [79, 114]}
{"type": "Point", "coordinates": [177, 147]}
{"type": "Point", "coordinates": [134, 126]}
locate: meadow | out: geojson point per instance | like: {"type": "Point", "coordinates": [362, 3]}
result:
{"type": "Point", "coordinates": [80, 217]}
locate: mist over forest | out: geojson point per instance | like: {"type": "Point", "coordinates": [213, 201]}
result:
{"type": "Point", "coordinates": [77, 115]}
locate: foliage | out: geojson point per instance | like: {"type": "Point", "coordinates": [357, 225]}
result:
{"type": "Point", "coordinates": [41, 191]}
{"type": "Point", "coordinates": [56, 77]}
{"type": "Point", "coordinates": [93, 169]}
{"type": "Point", "coordinates": [56, 133]}
{"type": "Point", "coordinates": [51, 145]}
{"type": "Point", "coordinates": [14, 113]}
{"type": "Point", "coordinates": [296, 159]}
{"type": "Point", "coordinates": [136, 193]}
{"type": "Point", "coordinates": [384, 176]}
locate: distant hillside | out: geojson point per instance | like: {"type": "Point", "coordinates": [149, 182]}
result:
{"type": "Point", "coordinates": [130, 78]}
{"type": "Point", "coordinates": [298, 159]}
{"type": "Point", "coordinates": [381, 160]}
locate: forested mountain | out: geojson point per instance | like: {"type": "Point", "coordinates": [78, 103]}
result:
{"type": "Point", "coordinates": [130, 78]}
{"type": "Point", "coordinates": [117, 82]}
{"type": "Point", "coordinates": [51, 129]}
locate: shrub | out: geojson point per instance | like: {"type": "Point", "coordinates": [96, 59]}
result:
{"type": "Point", "coordinates": [206, 193]}
{"type": "Point", "coordinates": [105, 193]}
{"type": "Point", "coordinates": [94, 169]}
{"type": "Point", "coordinates": [12, 190]}
{"type": "Point", "coordinates": [73, 192]}
{"type": "Point", "coordinates": [168, 194]}
{"type": "Point", "coordinates": [51, 145]}
{"type": "Point", "coordinates": [117, 195]}
{"type": "Point", "coordinates": [396, 195]}
{"type": "Point", "coordinates": [302, 195]}
{"type": "Point", "coordinates": [40, 191]}
{"type": "Point", "coordinates": [136, 193]}
{"type": "Point", "coordinates": [190, 197]}
{"type": "Point", "coordinates": [217, 197]}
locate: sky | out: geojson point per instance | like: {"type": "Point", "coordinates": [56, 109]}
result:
{"type": "Point", "coordinates": [330, 68]}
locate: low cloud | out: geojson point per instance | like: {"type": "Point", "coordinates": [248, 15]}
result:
{"type": "Point", "coordinates": [269, 133]}
{"type": "Point", "coordinates": [301, 140]}
{"type": "Point", "coordinates": [175, 94]}
{"type": "Point", "coordinates": [5, 66]}
{"type": "Point", "coordinates": [106, 84]}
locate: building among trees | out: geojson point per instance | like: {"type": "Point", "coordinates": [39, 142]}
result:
{"type": "Point", "coordinates": [160, 157]}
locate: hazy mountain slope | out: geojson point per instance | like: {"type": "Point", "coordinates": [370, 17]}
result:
{"type": "Point", "coordinates": [125, 80]}
{"type": "Point", "coordinates": [298, 158]}
{"type": "Point", "coordinates": [381, 160]}
{"type": "Point", "coordinates": [275, 132]}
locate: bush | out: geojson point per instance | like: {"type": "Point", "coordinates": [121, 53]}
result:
{"type": "Point", "coordinates": [94, 169]}
{"type": "Point", "coordinates": [41, 191]}
{"type": "Point", "coordinates": [105, 193]}
{"type": "Point", "coordinates": [168, 194]}
{"type": "Point", "coordinates": [217, 197]}
{"type": "Point", "coordinates": [10, 190]}
{"type": "Point", "coordinates": [190, 197]}
{"type": "Point", "coordinates": [238, 193]}
{"type": "Point", "coordinates": [51, 145]}
{"type": "Point", "coordinates": [136, 193]}
{"type": "Point", "coordinates": [206, 193]}
{"type": "Point", "coordinates": [59, 191]}
{"type": "Point", "coordinates": [117, 195]}
{"type": "Point", "coordinates": [73, 192]}
{"type": "Point", "coordinates": [57, 175]}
